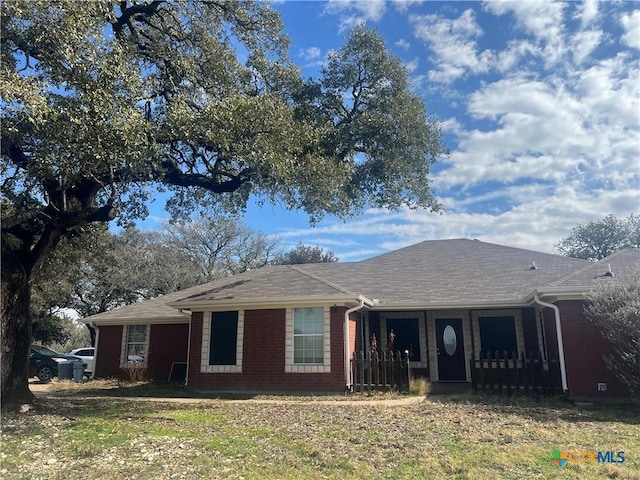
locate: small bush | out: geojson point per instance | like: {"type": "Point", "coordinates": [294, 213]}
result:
{"type": "Point", "coordinates": [419, 386]}
{"type": "Point", "coordinates": [137, 374]}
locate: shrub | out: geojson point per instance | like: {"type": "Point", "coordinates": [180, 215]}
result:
{"type": "Point", "coordinates": [419, 386]}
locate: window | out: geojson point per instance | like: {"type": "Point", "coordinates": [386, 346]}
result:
{"type": "Point", "coordinates": [407, 336]}
{"type": "Point", "coordinates": [498, 334]}
{"type": "Point", "coordinates": [222, 341]}
{"type": "Point", "coordinates": [224, 331]}
{"type": "Point", "coordinates": [135, 346]}
{"type": "Point", "coordinates": [308, 344]}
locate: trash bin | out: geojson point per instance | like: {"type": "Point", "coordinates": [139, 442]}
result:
{"type": "Point", "coordinates": [78, 372]}
{"type": "Point", "coordinates": [65, 370]}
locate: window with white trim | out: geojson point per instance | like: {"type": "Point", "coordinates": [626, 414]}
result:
{"type": "Point", "coordinates": [307, 346]}
{"type": "Point", "coordinates": [222, 342]}
{"type": "Point", "coordinates": [308, 338]}
{"type": "Point", "coordinates": [135, 346]}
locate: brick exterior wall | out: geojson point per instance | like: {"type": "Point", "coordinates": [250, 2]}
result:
{"type": "Point", "coordinates": [583, 347]}
{"type": "Point", "coordinates": [107, 363]}
{"type": "Point", "coordinates": [167, 344]}
{"type": "Point", "coordinates": [263, 362]}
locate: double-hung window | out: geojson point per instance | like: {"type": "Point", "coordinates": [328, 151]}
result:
{"type": "Point", "coordinates": [135, 346]}
{"type": "Point", "coordinates": [308, 340]}
{"type": "Point", "coordinates": [308, 336]}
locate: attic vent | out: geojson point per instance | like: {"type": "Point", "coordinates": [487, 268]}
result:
{"type": "Point", "coordinates": [533, 266]}
{"type": "Point", "coordinates": [609, 272]}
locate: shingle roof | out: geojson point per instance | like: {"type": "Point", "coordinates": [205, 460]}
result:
{"type": "Point", "coordinates": [431, 272]}
{"type": "Point", "coordinates": [450, 271]}
{"type": "Point", "coordinates": [156, 308]}
{"type": "Point", "coordinates": [624, 264]}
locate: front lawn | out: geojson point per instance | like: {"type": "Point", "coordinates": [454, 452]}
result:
{"type": "Point", "coordinates": [463, 437]}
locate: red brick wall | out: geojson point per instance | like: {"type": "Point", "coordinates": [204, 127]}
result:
{"type": "Point", "coordinates": [263, 363]}
{"type": "Point", "coordinates": [107, 363]}
{"type": "Point", "coordinates": [167, 344]}
{"type": "Point", "coordinates": [583, 348]}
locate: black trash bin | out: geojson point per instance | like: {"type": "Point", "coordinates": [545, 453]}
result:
{"type": "Point", "coordinates": [78, 371]}
{"type": "Point", "coordinates": [65, 370]}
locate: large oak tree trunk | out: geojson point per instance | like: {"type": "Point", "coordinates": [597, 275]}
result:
{"type": "Point", "coordinates": [16, 333]}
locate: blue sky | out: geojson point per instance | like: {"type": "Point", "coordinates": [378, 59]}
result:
{"type": "Point", "coordinates": [540, 103]}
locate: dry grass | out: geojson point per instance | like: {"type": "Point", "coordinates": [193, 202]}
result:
{"type": "Point", "coordinates": [456, 437]}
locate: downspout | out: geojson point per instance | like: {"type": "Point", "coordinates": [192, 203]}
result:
{"type": "Point", "coordinates": [556, 311]}
{"type": "Point", "coordinates": [95, 351]}
{"type": "Point", "coordinates": [347, 357]}
{"type": "Point", "coordinates": [186, 374]}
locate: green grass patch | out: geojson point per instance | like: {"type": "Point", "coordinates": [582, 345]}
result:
{"type": "Point", "coordinates": [464, 437]}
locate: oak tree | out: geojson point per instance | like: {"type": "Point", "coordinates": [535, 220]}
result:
{"type": "Point", "coordinates": [103, 102]}
{"type": "Point", "coordinates": [596, 240]}
{"type": "Point", "coordinates": [302, 253]}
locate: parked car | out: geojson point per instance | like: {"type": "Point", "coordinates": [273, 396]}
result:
{"type": "Point", "coordinates": [43, 362]}
{"type": "Point", "coordinates": [86, 354]}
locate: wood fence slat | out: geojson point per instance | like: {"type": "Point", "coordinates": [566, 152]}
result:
{"type": "Point", "coordinates": [507, 373]}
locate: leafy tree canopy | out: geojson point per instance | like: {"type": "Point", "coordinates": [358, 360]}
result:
{"type": "Point", "coordinates": [596, 240]}
{"type": "Point", "coordinates": [302, 253]}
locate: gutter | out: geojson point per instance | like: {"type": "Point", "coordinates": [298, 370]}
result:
{"type": "Point", "coordinates": [347, 358]}
{"type": "Point", "coordinates": [556, 311]}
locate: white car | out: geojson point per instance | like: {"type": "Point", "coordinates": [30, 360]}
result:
{"type": "Point", "coordinates": [86, 354]}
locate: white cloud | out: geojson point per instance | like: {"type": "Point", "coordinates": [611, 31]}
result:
{"type": "Point", "coordinates": [541, 19]}
{"type": "Point", "coordinates": [310, 53]}
{"type": "Point", "coordinates": [404, 5]}
{"type": "Point", "coordinates": [631, 25]}
{"type": "Point", "coordinates": [537, 221]}
{"type": "Point", "coordinates": [587, 12]}
{"type": "Point", "coordinates": [584, 43]}
{"type": "Point", "coordinates": [402, 43]}
{"type": "Point", "coordinates": [452, 43]}
{"type": "Point", "coordinates": [355, 12]}
{"type": "Point", "coordinates": [412, 65]}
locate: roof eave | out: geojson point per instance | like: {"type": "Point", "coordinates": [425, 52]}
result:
{"type": "Point", "coordinates": [270, 302]}
{"type": "Point", "coordinates": [454, 305]}
{"type": "Point", "coordinates": [183, 318]}
{"type": "Point", "coordinates": [561, 293]}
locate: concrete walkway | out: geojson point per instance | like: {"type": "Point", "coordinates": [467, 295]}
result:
{"type": "Point", "coordinates": [44, 390]}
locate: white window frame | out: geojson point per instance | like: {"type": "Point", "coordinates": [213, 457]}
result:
{"type": "Point", "coordinates": [206, 338]}
{"type": "Point", "coordinates": [124, 362]}
{"type": "Point", "coordinates": [325, 366]}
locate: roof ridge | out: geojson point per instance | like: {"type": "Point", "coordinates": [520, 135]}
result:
{"type": "Point", "coordinates": [320, 279]}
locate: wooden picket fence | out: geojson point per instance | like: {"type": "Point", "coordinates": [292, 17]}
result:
{"type": "Point", "coordinates": [380, 371]}
{"type": "Point", "coordinates": [506, 374]}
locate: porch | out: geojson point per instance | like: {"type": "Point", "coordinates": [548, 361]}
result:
{"type": "Point", "coordinates": [440, 344]}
